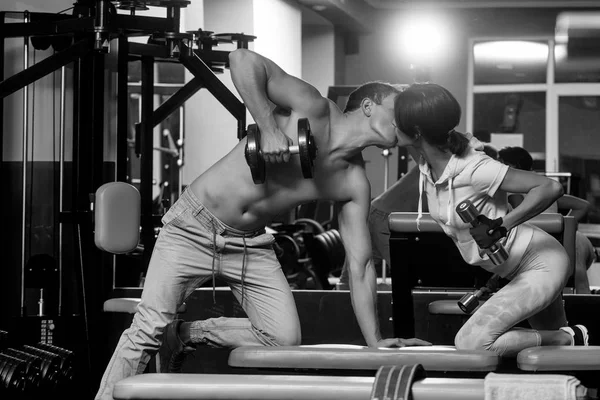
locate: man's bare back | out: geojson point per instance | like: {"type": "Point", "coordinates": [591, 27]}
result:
{"type": "Point", "coordinates": [254, 206]}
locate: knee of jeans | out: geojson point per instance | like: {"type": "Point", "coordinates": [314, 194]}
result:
{"type": "Point", "coordinates": [144, 336]}
{"type": "Point", "coordinates": [288, 337]}
{"type": "Point", "coordinates": [292, 338]}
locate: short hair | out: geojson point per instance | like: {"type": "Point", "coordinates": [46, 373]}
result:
{"type": "Point", "coordinates": [433, 112]}
{"type": "Point", "coordinates": [517, 157]}
{"type": "Point", "coordinates": [377, 91]}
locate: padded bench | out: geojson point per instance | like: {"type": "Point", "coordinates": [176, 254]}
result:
{"type": "Point", "coordinates": [351, 357]}
{"type": "Point", "coordinates": [389, 383]}
{"type": "Point", "coordinates": [129, 305]}
{"type": "Point", "coordinates": [282, 387]}
{"type": "Point", "coordinates": [559, 358]}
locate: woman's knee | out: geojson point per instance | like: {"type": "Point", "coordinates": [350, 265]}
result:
{"type": "Point", "coordinates": [465, 341]}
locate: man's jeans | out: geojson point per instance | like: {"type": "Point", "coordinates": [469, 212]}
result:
{"type": "Point", "coordinates": [192, 247]}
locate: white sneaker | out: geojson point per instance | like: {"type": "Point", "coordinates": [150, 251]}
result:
{"type": "Point", "coordinates": [579, 335]}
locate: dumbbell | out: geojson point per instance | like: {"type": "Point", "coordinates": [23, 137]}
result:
{"type": "Point", "coordinates": [306, 148]}
{"type": "Point", "coordinates": [470, 301]}
{"type": "Point", "coordinates": [33, 367]}
{"type": "Point", "coordinates": [12, 376]}
{"type": "Point", "coordinates": [50, 369]}
{"type": "Point", "coordinates": [468, 213]}
{"type": "Point", "coordinates": [67, 360]}
{"type": "Point", "coordinates": [497, 253]}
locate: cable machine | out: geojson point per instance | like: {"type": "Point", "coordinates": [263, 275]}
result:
{"type": "Point", "coordinates": [82, 40]}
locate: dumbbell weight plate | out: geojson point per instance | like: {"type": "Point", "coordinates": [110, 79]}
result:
{"type": "Point", "coordinates": [32, 368]}
{"type": "Point", "coordinates": [307, 148]}
{"type": "Point", "coordinates": [384, 377]}
{"type": "Point", "coordinates": [12, 373]}
{"type": "Point", "coordinates": [252, 153]}
{"type": "Point", "coordinates": [66, 356]}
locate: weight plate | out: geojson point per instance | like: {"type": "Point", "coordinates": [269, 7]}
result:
{"type": "Point", "coordinates": [381, 382]}
{"type": "Point", "coordinates": [252, 153]}
{"type": "Point", "coordinates": [307, 148]}
{"type": "Point", "coordinates": [401, 385]}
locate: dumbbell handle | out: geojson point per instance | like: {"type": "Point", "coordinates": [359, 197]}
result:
{"type": "Point", "coordinates": [468, 213]}
{"type": "Point", "coordinates": [292, 149]}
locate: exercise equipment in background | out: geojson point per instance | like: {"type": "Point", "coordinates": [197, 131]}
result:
{"type": "Point", "coordinates": [385, 153]}
{"type": "Point", "coordinates": [117, 217]}
{"type": "Point", "coordinates": [309, 254]}
{"type": "Point", "coordinates": [36, 371]}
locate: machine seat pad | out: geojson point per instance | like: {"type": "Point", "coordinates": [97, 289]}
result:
{"type": "Point", "coordinates": [281, 387]}
{"type": "Point", "coordinates": [559, 358]}
{"type": "Point", "coordinates": [352, 357]}
{"type": "Point", "coordinates": [448, 307]}
{"type": "Point", "coordinates": [407, 222]}
{"type": "Point", "coordinates": [129, 305]}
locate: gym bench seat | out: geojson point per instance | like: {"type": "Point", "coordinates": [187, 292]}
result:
{"type": "Point", "coordinates": [282, 387]}
{"type": "Point", "coordinates": [351, 357]}
{"type": "Point", "coordinates": [129, 305]}
{"type": "Point", "coordinates": [559, 358]}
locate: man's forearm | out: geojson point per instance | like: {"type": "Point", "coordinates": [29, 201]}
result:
{"type": "Point", "coordinates": [363, 291]}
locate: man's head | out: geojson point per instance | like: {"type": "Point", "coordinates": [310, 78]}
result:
{"type": "Point", "coordinates": [374, 91]}
{"type": "Point", "coordinates": [516, 157]}
{"type": "Point", "coordinates": [375, 102]}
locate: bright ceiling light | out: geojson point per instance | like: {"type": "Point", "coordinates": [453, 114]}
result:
{"type": "Point", "coordinates": [506, 51]}
{"type": "Point", "coordinates": [423, 37]}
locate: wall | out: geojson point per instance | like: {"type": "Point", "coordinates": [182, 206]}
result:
{"type": "Point", "coordinates": [318, 51]}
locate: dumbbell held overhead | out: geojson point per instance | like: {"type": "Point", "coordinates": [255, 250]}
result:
{"type": "Point", "coordinates": [306, 148]}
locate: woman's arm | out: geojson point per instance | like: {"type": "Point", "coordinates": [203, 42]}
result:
{"type": "Point", "coordinates": [539, 193]}
{"type": "Point", "coordinates": [577, 207]}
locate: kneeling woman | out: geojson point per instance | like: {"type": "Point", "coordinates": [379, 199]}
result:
{"type": "Point", "coordinates": [538, 266]}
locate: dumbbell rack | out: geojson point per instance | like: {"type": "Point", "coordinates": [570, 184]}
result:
{"type": "Point", "coordinates": [83, 39]}
{"type": "Point", "coordinates": [36, 371]}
